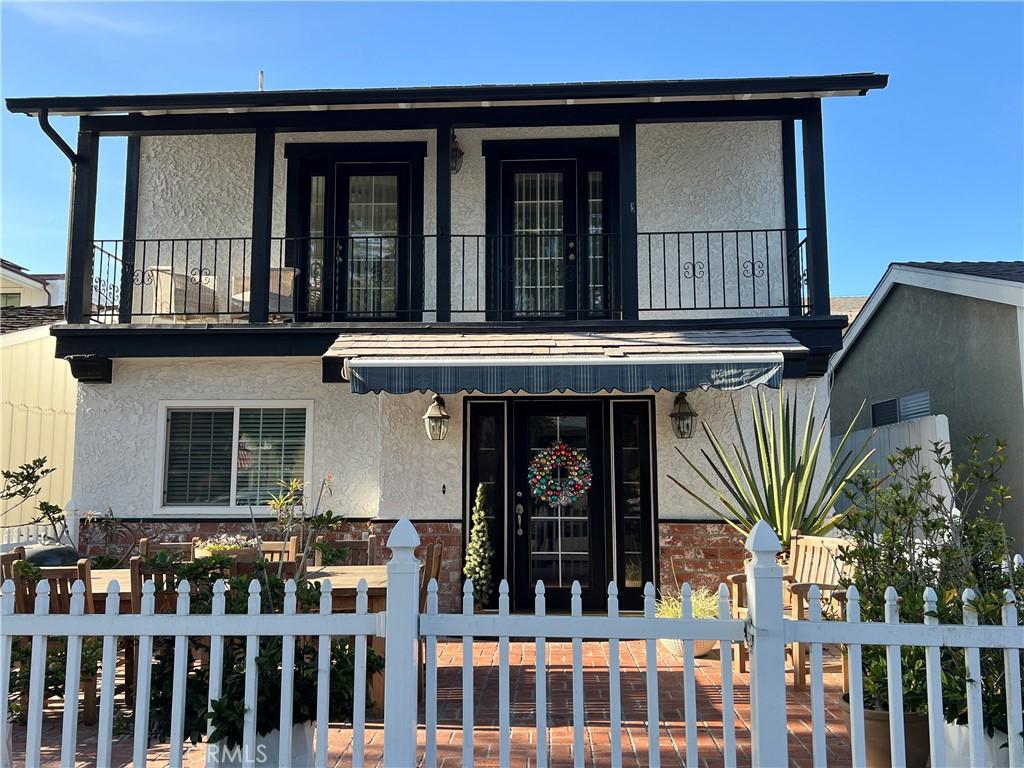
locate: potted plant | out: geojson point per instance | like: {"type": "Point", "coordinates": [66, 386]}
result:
{"type": "Point", "coordinates": [479, 552]}
{"type": "Point", "coordinates": [239, 547]}
{"type": "Point", "coordinates": [774, 478]}
{"type": "Point", "coordinates": [912, 528]}
{"type": "Point", "coordinates": [705, 606]}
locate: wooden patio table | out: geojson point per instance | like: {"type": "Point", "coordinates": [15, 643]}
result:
{"type": "Point", "coordinates": [344, 581]}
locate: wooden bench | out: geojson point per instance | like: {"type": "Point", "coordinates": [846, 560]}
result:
{"type": "Point", "coordinates": [813, 560]}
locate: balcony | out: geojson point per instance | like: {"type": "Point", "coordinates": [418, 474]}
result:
{"type": "Point", "coordinates": [677, 275]}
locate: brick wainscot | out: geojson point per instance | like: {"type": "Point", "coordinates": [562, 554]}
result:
{"type": "Point", "coordinates": [702, 553]}
{"type": "Point", "coordinates": [449, 533]}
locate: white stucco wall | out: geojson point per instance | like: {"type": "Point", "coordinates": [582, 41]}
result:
{"type": "Point", "coordinates": [117, 452]}
{"type": "Point", "coordinates": [715, 407]}
{"type": "Point", "coordinates": [374, 446]}
{"type": "Point", "coordinates": [690, 177]}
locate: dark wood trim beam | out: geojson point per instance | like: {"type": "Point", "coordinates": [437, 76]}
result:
{"type": "Point", "coordinates": [628, 282]}
{"type": "Point", "coordinates": [443, 180]}
{"type": "Point", "coordinates": [81, 229]}
{"type": "Point", "coordinates": [814, 205]}
{"type": "Point", "coordinates": [792, 216]}
{"type": "Point", "coordinates": [262, 214]}
{"type": "Point", "coordinates": [459, 117]}
{"type": "Point", "coordinates": [91, 368]}
{"type": "Point", "coordinates": [129, 229]}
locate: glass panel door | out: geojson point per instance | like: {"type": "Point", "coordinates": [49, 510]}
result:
{"type": "Point", "coordinates": [540, 225]}
{"type": "Point", "coordinates": [558, 543]}
{"type": "Point", "coordinates": [371, 214]}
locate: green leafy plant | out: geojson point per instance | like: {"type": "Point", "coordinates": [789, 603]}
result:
{"type": "Point", "coordinates": [23, 484]}
{"type": "Point", "coordinates": [703, 600]}
{"type": "Point", "coordinates": [913, 528]}
{"type": "Point", "coordinates": [479, 551]}
{"type": "Point", "coordinates": [772, 478]}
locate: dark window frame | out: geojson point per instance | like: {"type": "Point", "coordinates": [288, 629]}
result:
{"type": "Point", "coordinates": [307, 159]}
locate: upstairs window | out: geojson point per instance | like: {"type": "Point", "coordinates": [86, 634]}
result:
{"type": "Point", "coordinates": [912, 405]}
{"type": "Point", "coordinates": [10, 299]}
{"type": "Point", "coordinates": [232, 456]}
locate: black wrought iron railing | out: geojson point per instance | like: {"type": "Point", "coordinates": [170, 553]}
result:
{"type": "Point", "coordinates": [382, 277]}
{"type": "Point", "coordinates": [748, 269]}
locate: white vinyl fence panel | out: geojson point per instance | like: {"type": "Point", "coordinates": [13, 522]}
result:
{"type": "Point", "coordinates": [890, 439]}
{"type": "Point", "coordinates": [766, 631]}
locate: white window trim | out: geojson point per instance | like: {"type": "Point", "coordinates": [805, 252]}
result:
{"type": "Point", "coordinates": [231, 511]}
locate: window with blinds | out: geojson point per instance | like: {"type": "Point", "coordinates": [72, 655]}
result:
{"type": "Point", "coordinates": [265, 446]}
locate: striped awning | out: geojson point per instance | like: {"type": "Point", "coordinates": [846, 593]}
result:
{"type": "Point", "coordinates": [584, 362]}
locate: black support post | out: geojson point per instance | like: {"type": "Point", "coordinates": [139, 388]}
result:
{"type": "Point", "coordinates": [794, 278]}
{"type": "Point", "coordinates": [814, 203]}
{"type": "Point", "coordinates": [129, 230]}
{"type": "Point", "coordinates": [444, 225]}
{"type": "Point", "coordinates": [628, 288]}
{"type": "Point", "coordinates": [81, 229]}
{"type": "Point", "coordinates": [262, 204]}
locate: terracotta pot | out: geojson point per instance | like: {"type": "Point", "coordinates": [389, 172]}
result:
{"type": "Point", "coordinates": [876, 737]}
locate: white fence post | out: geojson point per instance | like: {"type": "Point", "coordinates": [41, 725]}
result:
{"type": "Point", "coordinates": [401, 646]}
{"type": "Point", "coordinates": [766, 628]}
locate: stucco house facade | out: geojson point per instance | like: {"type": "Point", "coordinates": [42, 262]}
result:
{"type": "Point", "coordinates": [942, 338]}
{"type": "Point", "coordinates": [300, 273]}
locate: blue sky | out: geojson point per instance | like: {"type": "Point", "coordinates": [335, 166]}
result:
{"type": "Point", "coordinates": [930, 168]}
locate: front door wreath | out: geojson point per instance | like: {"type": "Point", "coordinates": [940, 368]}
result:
{"type": "Point", "coordinates": [576, 475]}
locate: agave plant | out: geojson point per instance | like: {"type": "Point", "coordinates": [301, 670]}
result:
{"type": "Point", "coordinates": [776, 482]}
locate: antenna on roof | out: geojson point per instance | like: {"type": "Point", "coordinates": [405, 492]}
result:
{"type": "Point", "coordinates": [261, 80]}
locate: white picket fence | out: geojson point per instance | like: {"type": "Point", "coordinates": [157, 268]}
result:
{"type": "Point", "coordinates": [26, 534]}
{"type": "Point", "coordinates": [766, 631]}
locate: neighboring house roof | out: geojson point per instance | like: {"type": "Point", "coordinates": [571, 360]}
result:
{"type": "Point", "coordinates": [1012, 271]}
{"type": "Point", "coordinates": [19, 273]}
{"type": "Point", "coordinates": [997, 281]}
{"type": "Point", "coordinates": [848, 305]}
{"type": "Point", "coordinates": [22, 318]}
{"type": "Point", "coordinates": [815, 86]}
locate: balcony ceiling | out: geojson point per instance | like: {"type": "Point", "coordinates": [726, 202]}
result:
{"type": "Point", "coordinates": [606, 92]}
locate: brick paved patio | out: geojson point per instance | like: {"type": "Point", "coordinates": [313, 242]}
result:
{"type": "Point", "coordinates": [634, 736]}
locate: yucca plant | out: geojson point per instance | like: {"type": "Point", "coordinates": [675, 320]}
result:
{"type": "Point", "coordinates": [775, 481]}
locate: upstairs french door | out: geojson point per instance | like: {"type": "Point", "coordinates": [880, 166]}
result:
{"type": "Point", "coordinates": [372, 243]}
{"type": "Point", "coordinates": [354, 224]}
{"type": "Point", "coordinates": [539, 241]}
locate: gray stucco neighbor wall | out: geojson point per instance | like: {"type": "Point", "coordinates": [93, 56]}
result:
{"type": "Point", "coordinates": [965, 351]}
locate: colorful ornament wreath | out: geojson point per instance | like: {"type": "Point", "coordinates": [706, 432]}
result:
{"type": "Point", "coordinates": [576, 479]}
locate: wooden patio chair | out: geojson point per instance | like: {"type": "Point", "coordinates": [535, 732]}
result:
{"type": "Point", "coordinates": [60, 579]}
{"type": "Point", "coordinates": [432, 554]}
{"type": "Point", "coordinates": [275, 551]}
{"type": "Point", "coordinates": [813, 560]}
{"type": "Point", "coordinates": [187, 549]}
{"type": "Point", "coordinates": [7, 561]}
{"type": "Point", "coordinates": [360, 551]}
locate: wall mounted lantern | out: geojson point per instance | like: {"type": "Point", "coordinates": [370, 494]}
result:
{"type": "Point", "coordinates": [456, 155]}
{"type": "Point", "coordinates": [436, 419]}
{"type": "Point", "coordinates": [684, 418]}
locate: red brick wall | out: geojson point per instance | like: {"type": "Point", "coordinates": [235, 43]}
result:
{"type": "Point", "coordinates": [700, 553]}
{"type": "Point", "coordinates": [448, 533]}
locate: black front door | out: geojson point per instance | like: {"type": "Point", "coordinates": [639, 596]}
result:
{"type": "Point", "coordinates": [539, 239]}
{"type": "Point", "coordinates": [558, 544]}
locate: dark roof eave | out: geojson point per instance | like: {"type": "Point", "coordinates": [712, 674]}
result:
{"type": "Point", "coordinates": [78, 105]}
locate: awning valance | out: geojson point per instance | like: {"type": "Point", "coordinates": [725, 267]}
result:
{"type": "Point", "coordinates": [583, 362]}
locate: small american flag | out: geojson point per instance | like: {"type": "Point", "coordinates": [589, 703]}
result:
{"type": "Point", "coordinates": [243, 456]}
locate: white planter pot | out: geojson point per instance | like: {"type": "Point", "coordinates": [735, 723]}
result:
{"type": "Point", "coordinates": [958, 748]}
{"type": "Point", "coordinates": [700, 647]}
{"type": "Point", "coordinates": [267, 753]}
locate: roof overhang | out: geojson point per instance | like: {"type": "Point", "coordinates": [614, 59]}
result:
{"type": "Point", "coordinates": [583, 362]}
{"type": "Point", "coordinates": [972, 286]}
{"type": "Point", "coordinates": [610, 92]}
